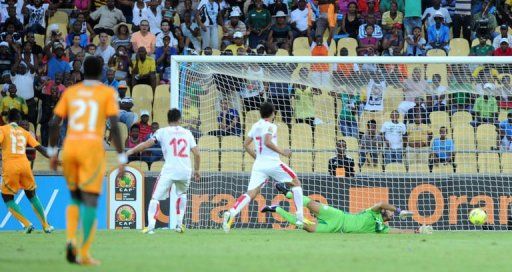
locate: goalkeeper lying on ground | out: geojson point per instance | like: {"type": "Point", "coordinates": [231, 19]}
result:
{"type": "Point", "coordinates": [331, 220]}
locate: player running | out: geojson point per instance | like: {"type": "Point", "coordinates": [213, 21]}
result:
{"type": "Point", "coordinates": [16, 172]}
{"type": "Point", "coordinates": [331, 220]}
{"type": "Point", "coordinates": [86, 106]}
{"type": "Point", "coordinates": [177, 143]}
{"type": "Point", "coordinates": [267, 164]}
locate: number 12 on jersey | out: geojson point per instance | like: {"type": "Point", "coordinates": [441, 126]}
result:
{"type": "Point", "coordinates": [179, 147]}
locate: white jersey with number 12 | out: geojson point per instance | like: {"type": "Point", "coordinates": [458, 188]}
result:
{"type": "Point", "coordinates": [176, 143]}
{"type": "Point", "coordinates": [257, 133]}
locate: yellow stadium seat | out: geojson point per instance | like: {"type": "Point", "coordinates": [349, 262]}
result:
{"type": "Point", "coordinates": [39, 39]}
{"type": "Point", "coordinates": [436, 53]}
{"type": "Point", "coordinates": [464, 138]}
{"type": "Point", "coordinates": [282, 52]}
{"type": "Point", "coordinates": [60, 17]}
{"type": "Point", "coordinates": [141, 165]}
{"type": "Point", "coordinates": [163, 91]}
{"type": "Point", "coordinates": [209, 146]}
{"type": "Point", "coordinates": [461, 118]}
{"type": "Point", "coordinates": [440, 69]}
{"type": "Point", "coordinates": [41, 164]}
{"type": "Point", "coordinates": [302, 144]}
{"type": "Point", "coordinates": [161, 104]}
{"type": "Point", "coordinates": [324, 108]}
{"type": "Point", "coordinates": [325, 136]}
{"type": "Point", "coordinates": [488, 163]}
{"type": "Point", "coordinates": [302, 52]}
{"type": "Point", "coordinates": [392, 98]}
{"type": "Point", "coordinates": [486, 137]}
{"type": "Point", "coordinates": [439, 119]}
{"type": "Point", "coordinates": [230, 161]}
{"type": "Point", "coordinates": [350, 44]}
{"type": "Point", "coordinates": [123, 131]}
{"type": "Point", "coordinates": [506, 163]}
{"type": "Point", "coordinates": [370, 170]}
{"type": "Point", "coordinates": [395, 168]}
{"type": "Point", "coordinates": [322, 160]}
{"type": "Point", "coordinates": [301, 43]}
{"type": "Point", "coordinates": [220, 30]}
{"type": "Point", "coordinates": [442, 169]}
{"type": "Point", "coordinates": [466, 163]}
{"type": "Point", "coordinates": [111, 160]}
{"type": "Point", "coordinates": [353, 150]}
{"type": "Point", "coordinates": [419, 168]}
{"type": "Point", "coordinates": [216, 52]}
{"type": "Point", "coordinates": [332, 49]}
{"type": "Point", "coordinates": [142, 96]}
{"type": "Point", "coordinates": [458, 47]}
{"type": "Point", "coordinates": [208, 112]}
{"type": "Point", "coordinates": [157, 166]}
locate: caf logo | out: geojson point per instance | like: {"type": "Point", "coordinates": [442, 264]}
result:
{"type": "Point", "coordinates": [125, 217]}
{"type": "Point", "coordinates": [126, 187]}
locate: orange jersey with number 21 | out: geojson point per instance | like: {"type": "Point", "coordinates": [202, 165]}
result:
{"type": "Point", "coordinates": [86, 106]}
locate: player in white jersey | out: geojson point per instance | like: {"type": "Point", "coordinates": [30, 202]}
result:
{"type": "Point", "coordinates": [266, 164]}
{"type": "Point", "coordinates": [177, 143]}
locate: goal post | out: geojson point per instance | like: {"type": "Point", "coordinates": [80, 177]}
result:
{"type": "Point", "coordinates": [429, 134]}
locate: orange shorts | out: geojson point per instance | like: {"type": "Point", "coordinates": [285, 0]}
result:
{"type": "Point", "coordinates": [16, 176]}
{"type": "Point", "coordinates": [84, 165]}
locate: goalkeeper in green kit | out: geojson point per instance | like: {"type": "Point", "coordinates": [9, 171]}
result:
{"type": "Point", "coordinates": [331, 220]}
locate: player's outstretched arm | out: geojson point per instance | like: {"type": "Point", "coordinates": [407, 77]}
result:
{"type": "Point", "coordinates": [118, 144]}
{"type": "Point", "coordinates": [397, 211]}
{"type": "Point", "coordinates": [275, 148]}
{"type": "Point", "coordinates": [41, 149]}
{"type": "Point", "coordinates": [52, 150]}
{"type": "Point", "coordinates": [247, 147]}
{"type": "Point", "coordinates": [197, 162]}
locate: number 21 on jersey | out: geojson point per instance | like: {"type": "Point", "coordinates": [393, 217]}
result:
{"type": "Point", "coordinates": [84, 108]}
{"type": "Point", "coordinates": [179, 147]}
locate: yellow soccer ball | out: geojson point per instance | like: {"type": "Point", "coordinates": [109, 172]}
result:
{"type": "Point", "coordinates": [477, 217]}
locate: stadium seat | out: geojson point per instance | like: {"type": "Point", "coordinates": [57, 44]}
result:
{"type": "Point", "coordinates": [488, 163]}
{"type": "Point", "coordinates": [209, 146]}
{"type": "Point", "coordinates": [300, 43]}
{"type": "Point", "coordinates": [324, 107]}
{"type": "Point", "coordinates": [418, 168]}
{"type": "Point", "coordinates": [332, 49]}
{"type": "Point", "coordinates": [141, 165]}
{"type": "Point", "coordinates": [220, 30]}
{"type": "Point", "coordinates": [282, 52]}
{"type": "Point", "coordinates": [392, 98]}
{"type": "Point", "coordinates": [464, 138]}
{"type": "Point", "coordinates": [123, 131]}
{"type": "Point", "coordinates": [230, 160]}
{"type": "Point", "coordinates": [39, 40]}
{"type": "Point", "coordinates": [301, 144]}
{"type": "Point", "coordinates": [322, 160]}
{"type": "Point", "coordinates": [157, 166]}
{"type": "Point", "coordinates": [439, 119]}
{"type": "Point", "coordinates": [506, 163]}
{"type": "Point", "coordinates": [41, 163]}
{"type": "Point", "coordinates": [325, 136]}
{"type": "Point", "coordinates": [486, 137]}
{"type": "Point", "coordinates": [369, 170]}
{"type": "Point", "coordinates": [161, 104]}
{"type": "Point", "coordinates": [443, 169]}
{"type": "Point", "coordinates": [436, 53]}
{"type": "Point", "coordinates": [461, 118]}
{"type": "Point", "coordinates": [142, 96]}
{"type": "Point", "coordinates": [353, 150]}
{"type": "Point", "coordinates": [302, 52]}
{"type": "Point", "coordinates": [394, 168]}
{"type": "Point", "coordinates": [350, 44]}
{"type": "Point", "coordinates": [283, 135]}
{"type": "Point", "coordinates": [440, 69]}
{"type": "Point", "coordinates": [466, 163]}
{"type": "Point", "coordinates": [60, 17]}
{"type": "Point", "coordinates": [458, 47]}
{"type": "Point", "coordinates": [208, 111]}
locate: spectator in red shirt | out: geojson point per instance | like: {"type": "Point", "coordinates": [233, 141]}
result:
{"type": "Point", "coordinates": [144, 126]}
{"type": "Point", "coordinates": [504, 49]}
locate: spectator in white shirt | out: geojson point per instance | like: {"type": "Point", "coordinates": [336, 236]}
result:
{"type": "Point", "coordinates": [394, 134]}
{"type": "Point", "coordinates": [299, 20]}
{"type": "Point", "coordinates": [190, 31]}
{"type": "Point", "coordinates": [208, 17]}
{"type": "Point", "coordinates": [104, 49]}
{"type": "Point", "coordinates": [377, 30]}
{"type": "Point", "coordinates": [428, 14]}
{"type": "Point", "coordinates": [22, 75]}
{"type": "Point", "coordinates": [37, 17]}
{"type": "Point", "coordinates": [166, 31]}
{"type": "Point", "coordinates": [503, 34]}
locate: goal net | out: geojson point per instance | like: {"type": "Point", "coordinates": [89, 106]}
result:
{"type": "Point", "coordinates": [429, 134]}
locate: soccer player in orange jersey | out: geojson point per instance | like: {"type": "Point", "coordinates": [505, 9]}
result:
{"type": "Point", "coordinates": [16, 172]}
{"type": "Point", "coordinates": [86, 106]}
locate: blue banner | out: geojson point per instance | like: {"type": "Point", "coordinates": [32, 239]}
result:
{"type": "Point", "coordinates": [54, 196]}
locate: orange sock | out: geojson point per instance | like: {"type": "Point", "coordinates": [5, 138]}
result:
{"type": "Point", "coordinates": [72, 219]}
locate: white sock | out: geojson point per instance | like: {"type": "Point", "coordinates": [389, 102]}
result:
{"type": "Point", "coordinates": [297, 199]}
{"type": "Point", "coordinates": [152, 211]}
{"type": "Point", "coordinates": [240, 203]}
{"type": "Point", "coordinates": [181, 206]}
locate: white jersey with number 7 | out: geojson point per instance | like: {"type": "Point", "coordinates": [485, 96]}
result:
{"type": "Point", "coordinates": [176, 143]}
{"type": "Point", "coordinates": [257, 133]}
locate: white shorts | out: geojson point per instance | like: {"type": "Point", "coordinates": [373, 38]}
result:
{"type": "Point", "coordinates": [279, 171]}
{"type": "Point", "coordinates": [163, 185]}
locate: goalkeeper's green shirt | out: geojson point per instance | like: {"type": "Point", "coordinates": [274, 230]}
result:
{"type": "Point", "coordinates": [368, 221]}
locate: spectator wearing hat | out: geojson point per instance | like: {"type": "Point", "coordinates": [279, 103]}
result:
{"type": "Point", "coordinates": [143, 124]}
{"type": "Point", "coordinates": [36, 16]}
{"type": "Point", "coordinates": [412, 15]}
{"type": "Point", "coordinates": [104, 50]}
{"type": "Point", "coordinates": [232, 26]}
{"type": "Point", "coordinates": [482, 48]}
{"type": "Point", "coordinates": [144, 69]}
{"type": "Point", "coordinates": [415, 43]}
{"type": "Point", "coordinates": [485, 108]}
{"type": "Point", "coordinates": [394, 40]}
{"type": "Point", "coordinates": [23, 75]}
{"type": "Point", "coordinates": [56, 62]}
{"type": "Point", "coordinates": [496, 43]}
{"type": "Point", "coordinates": [163, 60]}
{"type": "Point", "coordinates": [239, 42]}
{"type": "Point", "coordinates": [121, 36]}
{"type": "Point", "coordinates": [13, 101]}
{"type": "Point", "coordinates": [280, 35]}
{"type": "Point", "coordinates": [391, 18]}
{"type": "Point", "coordinates": [504, 49]}
{"type": "Point", "coordinates": [109, 16]}
{"type": "Point", "coordinates": [6, 58]}
{"type": "Point", "coordinates": [259, 22]}
{"type": "Point", "coordinates": [299, 20]}
{"type": "Point", "coordinates": [208, 17]}
{"type": "Point", "coordinates": [430, 13]}
{"type": "Point", "coordinates": [144, 38]}
{"type": "Point", "coordinates": [126, 115]}
{"type": "Point", "coordinates": [377, 30]}
{"type": "Point", "coordinates": [438, 34]}
{"type": "Point", "coordinates": [191, 31]}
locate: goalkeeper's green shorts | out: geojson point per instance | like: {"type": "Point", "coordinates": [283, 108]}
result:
{"type": "Point", "coordinates": [330, 220]}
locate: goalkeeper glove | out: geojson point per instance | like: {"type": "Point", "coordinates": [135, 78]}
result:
{"type": "Point", "coordinates": [403, 214]}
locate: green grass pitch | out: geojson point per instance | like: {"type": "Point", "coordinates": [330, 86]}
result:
{"type": "Point", "coordinates": [264, 251]}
